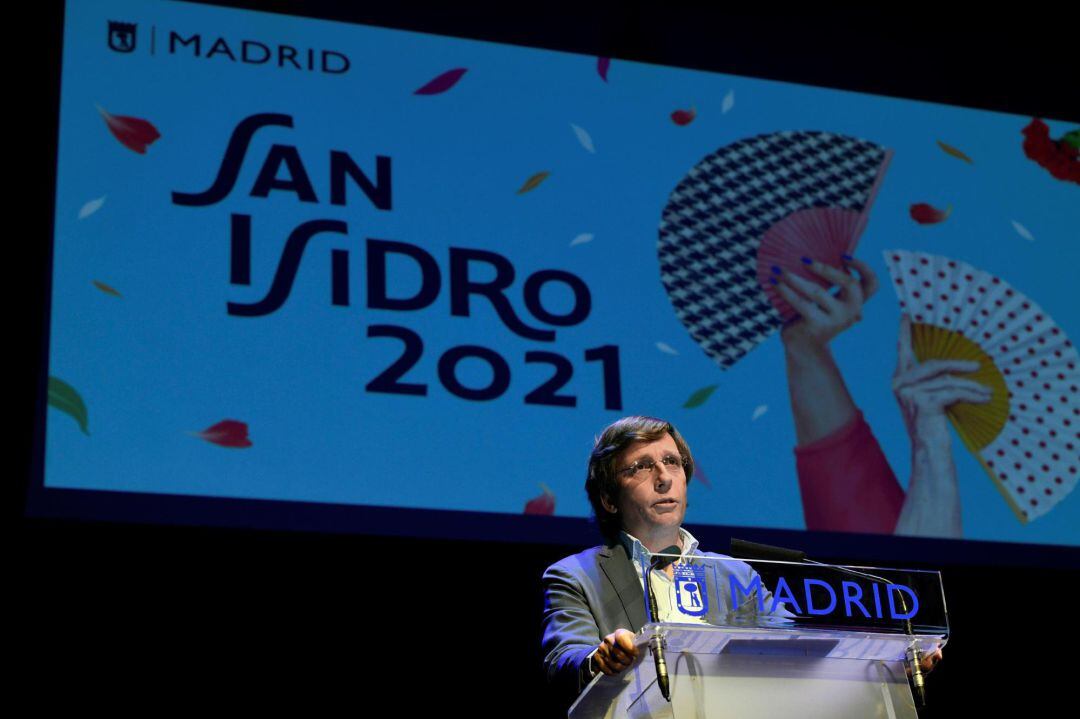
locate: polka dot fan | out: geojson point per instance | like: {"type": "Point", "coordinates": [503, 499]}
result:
{"type": "Point", "coordinates": [1026, 436]}
{"type": "Point", "coordinates": [759, 203]}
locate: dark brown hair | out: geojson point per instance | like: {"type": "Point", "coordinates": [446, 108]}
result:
{"type": "Point", "coordinates": [601, 482]}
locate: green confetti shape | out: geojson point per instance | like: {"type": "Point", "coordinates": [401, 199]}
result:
{"type": "Point", "coordinates": [64, 397]}
{"type": "Point", "coordinates": [698, 398]}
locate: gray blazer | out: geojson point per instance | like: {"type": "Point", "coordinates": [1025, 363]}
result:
{"type": "Point", "coordinates": [591, 594]}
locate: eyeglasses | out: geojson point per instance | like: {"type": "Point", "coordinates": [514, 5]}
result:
{"type": "Point", "coordinates": [644, 467]}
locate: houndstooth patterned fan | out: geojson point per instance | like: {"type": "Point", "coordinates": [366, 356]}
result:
{"type": "Point", "coordinates": [758, 203]}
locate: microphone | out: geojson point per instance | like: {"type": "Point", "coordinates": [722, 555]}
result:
{"type": "Point", "coordinates": [753, 550]}
{"type": "Point", "coordinates": [657, 643]}
{"type": "Point", "coordinates": [918, 681]}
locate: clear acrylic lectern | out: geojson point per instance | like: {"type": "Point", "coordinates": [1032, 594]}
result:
{"type": "Point", "coordinates": [775, 639]}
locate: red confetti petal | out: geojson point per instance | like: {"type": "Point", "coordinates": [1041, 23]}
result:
{"type": "Point", "coordinates": [699, 473]}
{"type": "Point", "coordinates": [1057, 157]}
{"type": "Point", "coordinates": [442, 83]}
{"type": "Point", "coordinates": [227, 433]}
{"type": "Point", "coordinates": [926, 214]}
{"type": "Point", "coordinates": [602, 65]}
{"type": "Point", "coordinates": [683, 117]}
{"type": "Point", "coordinates": [543, 504]}
{"type": "Point", "coordinates": [133, 133]}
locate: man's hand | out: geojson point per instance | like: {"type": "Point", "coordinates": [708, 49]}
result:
{"type": "Point", "coordinates": [616, 653]}
{"type": "Point", "coordinates": [929, 661]}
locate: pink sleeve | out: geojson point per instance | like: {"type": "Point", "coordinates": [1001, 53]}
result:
{"type": "Point", "coordinates": [846, 482]}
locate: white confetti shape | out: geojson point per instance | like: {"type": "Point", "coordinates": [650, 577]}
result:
{"type": "Point", "coordinates": [729, 102]}
{"type": "Point", "coordinates": [582, 239]}
{"type": "Point", "coordinates": [94, 205]}
{"type": "Point", "coordinates": [1022, 231]}
{"type": "Point", "coordinates": [758, 411]}
{"type": "Point", "coordinates": [583, 137]}
{"type": "Point", "coordinates": [666, 348]}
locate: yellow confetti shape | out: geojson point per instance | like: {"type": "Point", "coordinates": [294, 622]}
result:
{"type": "Point", "coordinates": [106, 289]}
{"type": "Point", "coordinates": [950, 150]}
{"type": "Point", "coordinates": [533, 182]}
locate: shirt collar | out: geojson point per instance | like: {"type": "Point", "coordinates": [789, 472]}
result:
{"type": "Point", "coordinates": [639, 554]}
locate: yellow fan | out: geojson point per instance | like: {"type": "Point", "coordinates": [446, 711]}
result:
{"type": "Point", "coordinates": [977, 424]}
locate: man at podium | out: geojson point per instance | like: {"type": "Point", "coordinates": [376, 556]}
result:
{"type": "Point", "coordinates": [594, 600]}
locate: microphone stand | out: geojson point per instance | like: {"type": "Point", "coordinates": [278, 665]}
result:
{"type": "Point", "coordinates": [658, 642]}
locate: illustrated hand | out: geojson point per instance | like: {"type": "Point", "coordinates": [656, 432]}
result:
{"type": "Point", "coordinates": [616, 653]}
{"type": "Point", "coordinates": [925, 389]}
{"type": "Point", "coordinates": [824, 315]}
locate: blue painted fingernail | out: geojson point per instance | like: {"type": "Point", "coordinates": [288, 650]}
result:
{"type": "Point", "coordinates": [773, 280]}
{"type": "Point", "coordinates": [776, 270]}
{"type": "Point", "coordinates": [849, 258]}
{"type": "Point", "coordinates": [807, 261]}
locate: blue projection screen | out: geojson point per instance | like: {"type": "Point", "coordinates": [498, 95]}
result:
{"type": "Point", "coordinates": [304, 263]}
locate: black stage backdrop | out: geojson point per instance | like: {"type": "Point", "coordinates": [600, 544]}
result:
{"type": "Point", "coordinates": [148, 618]}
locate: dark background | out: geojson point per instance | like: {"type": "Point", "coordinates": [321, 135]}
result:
{"type": "Point", "coordinates": [120, 616]}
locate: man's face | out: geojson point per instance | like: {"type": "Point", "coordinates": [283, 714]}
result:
{"type": "Point", "coordinates": [651, 502]}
